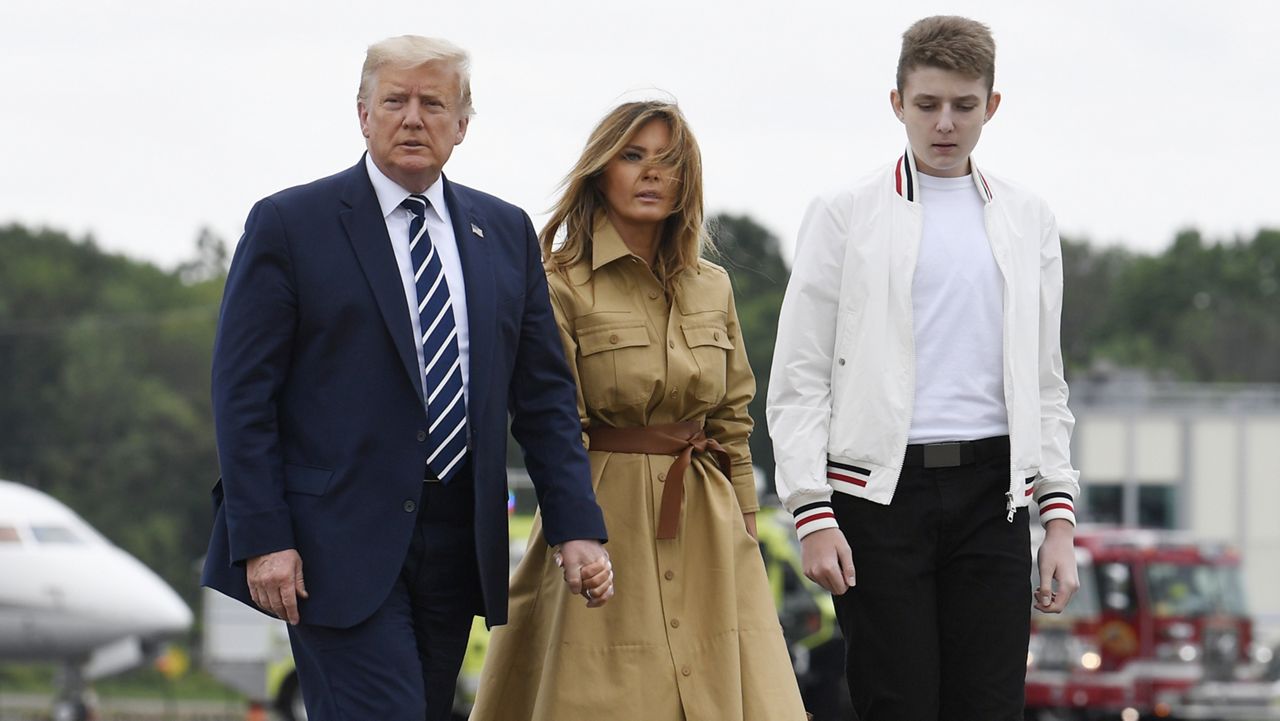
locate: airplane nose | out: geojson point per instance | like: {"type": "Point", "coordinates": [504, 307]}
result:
{"type": "Point", "coordinates": [168, 613]}
{"type": "Point", "coordinates": [160, 611]}
{"type": "Point", "coordinates": [131, 598]}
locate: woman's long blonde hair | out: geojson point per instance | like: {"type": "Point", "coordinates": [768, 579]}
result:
{"type": "Point", "coordinates": [583, 200]}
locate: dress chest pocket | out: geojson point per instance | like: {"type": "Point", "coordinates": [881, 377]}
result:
{"type": "Point", "coordinates": [710, 344]}
{"type": "Point", "coordinates": [612, 360]}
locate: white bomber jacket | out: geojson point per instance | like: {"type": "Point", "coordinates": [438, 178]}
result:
{"type": "Point", "coordinates": [842, 387]}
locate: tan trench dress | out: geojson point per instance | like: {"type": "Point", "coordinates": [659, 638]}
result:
{"type": "Point", "coordinates": [692, 632]}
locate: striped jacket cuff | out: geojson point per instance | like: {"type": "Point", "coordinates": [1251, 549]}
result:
{"type": "Point", "coordinates": [845, 477]}
{"type": "Point", "coordinates": [1057, 505]}
{"type": "Point", "coordinates": [814, 517]}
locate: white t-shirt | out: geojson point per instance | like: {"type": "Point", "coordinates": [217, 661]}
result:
{"type": "Point", "coordinates": [957, 297]}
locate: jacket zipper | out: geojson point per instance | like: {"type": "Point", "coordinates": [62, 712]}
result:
{"type": "Point", "coordinates": [911, 337]}
{"type": "Point", "coordinates": [1010, 505]}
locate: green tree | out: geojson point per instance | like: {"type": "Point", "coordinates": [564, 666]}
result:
{"type": "Point", "coordinates": [1199, 311]}
{"type": "Point", "coordinates": [104, 392]}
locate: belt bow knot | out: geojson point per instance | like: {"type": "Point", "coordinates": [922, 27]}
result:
{"type": "Point", "coordinates": [681, 440]}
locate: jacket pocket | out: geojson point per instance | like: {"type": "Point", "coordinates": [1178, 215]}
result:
{"type": "Point", "coordinates": [710, 345]}
{"type": "Point", "coordinates": [306, 480]}
{"type": "Point", "coordinates": [612, 337]}
{"type": "Point", "coordinates": [606, 352]}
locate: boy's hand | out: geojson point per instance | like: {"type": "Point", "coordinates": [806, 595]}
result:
{"type": "Point", "coordinates": [827, 560]}
{"type": "Point", "coordinates": [1057, 558]}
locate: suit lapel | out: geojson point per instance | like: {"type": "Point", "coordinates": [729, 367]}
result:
{"type": "Point", "coordinates": [476, 254]}
{"type": "Point", "coordinates": [367, 231]}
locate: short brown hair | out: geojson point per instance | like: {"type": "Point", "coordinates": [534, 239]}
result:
{"type": "Point", "coordinates": [949, 42]}
{"type": "Point", "coordinates": [683, 236]}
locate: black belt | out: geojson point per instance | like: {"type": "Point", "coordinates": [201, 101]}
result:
{"type": "Point", "coordinates": [956, 453]}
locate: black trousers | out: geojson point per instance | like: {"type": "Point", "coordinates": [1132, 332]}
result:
{"type": "Point", "coordinates": [937, 627]}
{"type": "Point", "coordinates": [401, 664]}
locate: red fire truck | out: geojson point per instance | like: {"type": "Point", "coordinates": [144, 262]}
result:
{"type": "Point", "coordinates": [1158, 630]}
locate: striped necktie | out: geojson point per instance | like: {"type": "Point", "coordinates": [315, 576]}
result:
{"type": "Point", "coordinates": [446, 406]}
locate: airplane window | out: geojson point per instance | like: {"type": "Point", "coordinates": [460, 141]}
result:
{"type": "Point", "coordinates": [9, 534]}
{"type": "Point", "coordinates": [54, 534]}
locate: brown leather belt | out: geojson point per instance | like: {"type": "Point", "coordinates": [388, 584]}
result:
{"type": "Point", "coordinates": [667, 439]}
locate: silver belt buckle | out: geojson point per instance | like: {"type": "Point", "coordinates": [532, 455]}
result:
{"type": "Point", "coordinates": [942, 455]}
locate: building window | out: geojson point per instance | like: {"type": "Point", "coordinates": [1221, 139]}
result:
{"type": "Point", "coordinates": [1104, 503]}
{"type": "Point", "coordinates": [1155, 505]}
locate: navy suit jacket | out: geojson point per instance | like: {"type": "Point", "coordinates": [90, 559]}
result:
{"type": "Point", "coordinates": [317, 397]}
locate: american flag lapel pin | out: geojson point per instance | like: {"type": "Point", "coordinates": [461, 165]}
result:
{"type": "Point", "coordinates": [476, 229]}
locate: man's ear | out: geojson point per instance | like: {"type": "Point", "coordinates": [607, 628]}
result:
{"type": "Point", "coordinates": [462, 129]}
{"type": "Point", "coordinates": [993, 102]}
{"type": "Point", "coordinates": [895, 102]}
{"type": "Point", "coordinates": [363, 113]}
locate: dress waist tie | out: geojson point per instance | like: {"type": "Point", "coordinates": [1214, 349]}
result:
{"type": "Point", "coordinates": [668, 439]}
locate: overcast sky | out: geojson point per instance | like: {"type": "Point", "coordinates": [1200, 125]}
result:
{"type": "Point", "coordinates": [142, 121]}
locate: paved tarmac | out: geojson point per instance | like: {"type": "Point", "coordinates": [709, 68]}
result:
{"type": "Point", "coordinates": [36, 707]}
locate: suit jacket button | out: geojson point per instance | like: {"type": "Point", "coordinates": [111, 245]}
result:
{"type": "Point", "coordinates": [410, 506]}
{"type": "Point", "coordinates": [422, 436]}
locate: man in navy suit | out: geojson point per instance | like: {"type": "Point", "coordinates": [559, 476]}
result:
{"type": "Point", "coordinates": [378, 327]}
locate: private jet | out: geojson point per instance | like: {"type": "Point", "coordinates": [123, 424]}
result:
{"type": "Point", "coordinates": [71, 597]}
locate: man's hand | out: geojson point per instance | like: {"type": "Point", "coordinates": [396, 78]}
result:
{"type": "Point", "coordinates": [587, 570]}
{"type": "Point", "coordinates": [827, 560]}
{"type": "Point", "coordinates": [1057, 559]}
{"type": "Point", "coordinates": [750, 520]}
{"type": "Point", "coordinates": [275, 583]}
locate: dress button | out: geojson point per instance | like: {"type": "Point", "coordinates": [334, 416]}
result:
{"type": "Point", "coordinates": [841, 361]}
{"type": "Point", "coordinates": [410, 506]}
{"type": "Point", "coordinates": [662, 477]}
{"type": "Point", "coordinates": [614, 339]}
{"type": "Point", "coordinates": [674, 392]}
{"type": "Point", "coordinates": [669, 575]}
{"type": "Point", "coordinates": [715, 336]}
{"type": "Point", "coordinates": [671, 344]}
{"type": "Point", "coordinates": [422, 436]}
{"type": "Point", "coordinates": [653, 295]}
{"type": "Point", "coordinates": [686, 670]}
{"type": "Point", "coordinates": [675, 623]}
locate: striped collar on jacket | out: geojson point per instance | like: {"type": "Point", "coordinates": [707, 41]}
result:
{"type": "Point", "coordinates": [906, 179]}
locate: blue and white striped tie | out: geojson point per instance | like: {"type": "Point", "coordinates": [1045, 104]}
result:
{"type": "Point", "coordinates": [446, 406]}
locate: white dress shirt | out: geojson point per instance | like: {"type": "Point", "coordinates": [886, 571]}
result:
{"type": "Point", "coordinates": [440, 228]}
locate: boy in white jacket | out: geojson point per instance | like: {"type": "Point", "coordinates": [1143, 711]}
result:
{"type": "Point", "coordinates": [917, 404]}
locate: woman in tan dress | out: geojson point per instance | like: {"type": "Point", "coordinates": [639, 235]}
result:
{"type": "Point", "coordinates": [651, 334]}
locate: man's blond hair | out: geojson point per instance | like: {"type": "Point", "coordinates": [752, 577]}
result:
{"type": "Point", "coordinates": [410, 51]}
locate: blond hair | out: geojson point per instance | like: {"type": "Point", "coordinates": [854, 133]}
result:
{"type": "Point", "coordinates": [410, 51]}
{"type": "Point", "coordinates": [583, 201]}
{"type": "Point", "coordinates": [949, 42]}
